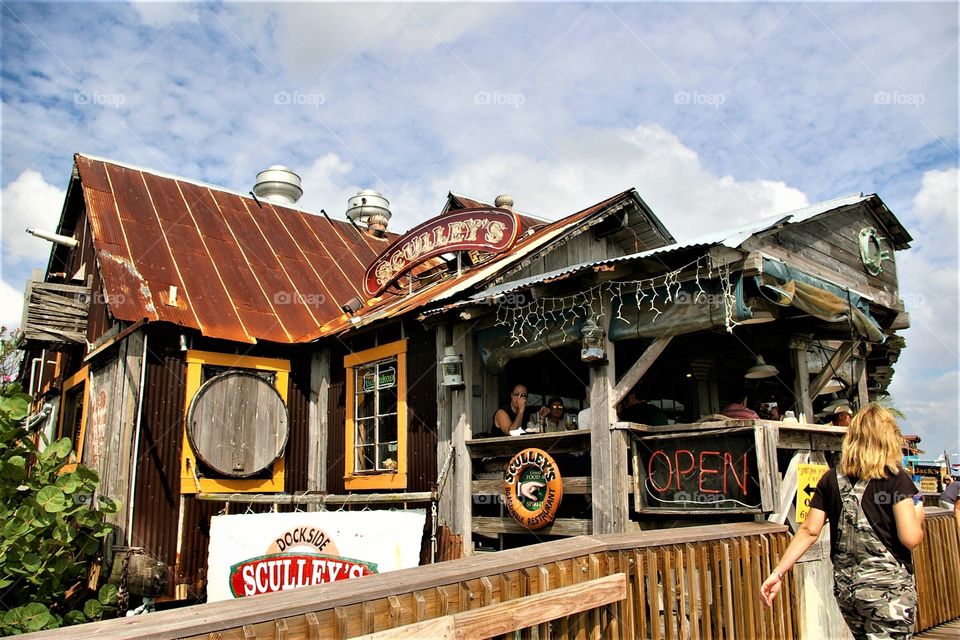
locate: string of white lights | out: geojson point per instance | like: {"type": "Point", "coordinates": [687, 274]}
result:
{"type": "Point", "coordinates": [528, 322]}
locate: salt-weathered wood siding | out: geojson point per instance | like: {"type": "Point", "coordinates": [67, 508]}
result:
{"type": "Point", "coordinates": [829, 247]}
{"type": "Point", "coordinates": [111, 422]}
{"type": "Point", "coordinates": [579, 249]}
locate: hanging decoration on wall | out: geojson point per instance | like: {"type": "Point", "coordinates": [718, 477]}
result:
{"type": "Point", "coordinates": [528, 322]}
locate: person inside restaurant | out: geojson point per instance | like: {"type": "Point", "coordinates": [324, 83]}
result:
{"type": "Point", "coordinates": [633, 409]}
{"type": "Point", "coordinates": [554, 416]}
{"type": "Point", "coordinates": [511, 418]}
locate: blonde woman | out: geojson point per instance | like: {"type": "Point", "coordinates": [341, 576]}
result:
{"type": "Point", "coordinates": [874, 524]}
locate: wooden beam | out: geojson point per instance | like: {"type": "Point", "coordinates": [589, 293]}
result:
{"type": "Point", "coordinates": [801, 383]}
{"type": "Point", "coordinates": [639, 368]}
{"type": "Point", "coordinates": [863, 394]}
{"type": "Point", "coordinates": [838, 359]}
{"type": "Point", "coordinates": [493, 525]}
{"type": "Point", "coordinates": [609, 448]}
{"type": "Point", "coordinates": [513, 615]}
{"type": "Point", "coordinates": [304, 499]}
{"type": "Point", "coordinates": [318, 429]}
{"type": "Point", "coordinates": [571, 485]}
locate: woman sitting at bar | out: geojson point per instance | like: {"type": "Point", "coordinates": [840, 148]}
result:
{"type": "Point", "coordinates": [553, 416]}
{"type": "Point", "coordinates": [511, 417]}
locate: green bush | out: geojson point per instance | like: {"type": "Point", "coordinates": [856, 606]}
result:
{"type": "Point", "coordinates": [49, 530]}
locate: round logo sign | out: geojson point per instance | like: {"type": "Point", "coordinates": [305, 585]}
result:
{"type": "Point", "coordinates": [532, 488]}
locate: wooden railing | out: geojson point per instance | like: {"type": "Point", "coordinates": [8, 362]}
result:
{"type": "Point", "coordinates": [936, 564]}
{"type": "Point", "coordinates": [695, 582]}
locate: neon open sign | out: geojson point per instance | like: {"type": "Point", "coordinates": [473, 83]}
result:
{"type": "Point", "coordinates": [486, 230]}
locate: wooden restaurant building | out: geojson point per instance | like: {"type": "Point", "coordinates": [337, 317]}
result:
{"type": "Point", "coordinates": [209, 351]}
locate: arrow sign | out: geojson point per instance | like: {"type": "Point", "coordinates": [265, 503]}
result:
{"type": "Point", "coordinates": [808, 475]}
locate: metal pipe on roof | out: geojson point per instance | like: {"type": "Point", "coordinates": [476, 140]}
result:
{"type": "Point", "coordinates": [132, 489]}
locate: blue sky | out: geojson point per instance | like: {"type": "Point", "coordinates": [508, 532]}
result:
{"type": "Point", "coordinates": [716, 113]}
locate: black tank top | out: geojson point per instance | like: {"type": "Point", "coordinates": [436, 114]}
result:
{"type": "Point", "coordinates": [512, 414]}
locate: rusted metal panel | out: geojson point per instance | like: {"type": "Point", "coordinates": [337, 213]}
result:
{"type": "Point", "coordinates": [94, 174]}
{"type": "Point", "coordinates": [421, 408]}
{"type": "Point", "coordinates": [102, 212]}
{"type": "Point", "coordinates": [297, 456]}
{"type": "Point", "coordinates": [242, 271]}
{"type": "Point", "coordinates": [192, 569]}
{"type": "Point", "coordinates": [157, 490]}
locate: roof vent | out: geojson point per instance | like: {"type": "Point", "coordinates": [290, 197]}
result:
{"type": "Point", "coordinates": [504, 201]}
{"type": "Point", "coordinates": [278, 184]}
{"type": "Point", "coordinates": [372, 209]}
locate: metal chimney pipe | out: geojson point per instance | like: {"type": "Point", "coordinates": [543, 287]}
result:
{"type": "Point", "coordinates": [56, 238]}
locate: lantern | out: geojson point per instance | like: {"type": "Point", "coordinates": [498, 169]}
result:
{"type": "Point", "coordinates": [592, 346]}
{"type": "Point", "coordinates": [452, 366]}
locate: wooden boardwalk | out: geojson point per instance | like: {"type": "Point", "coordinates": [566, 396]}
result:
{"type": "Point", "coordinates": [948, 631]}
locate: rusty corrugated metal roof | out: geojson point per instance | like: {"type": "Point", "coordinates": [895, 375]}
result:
{"type": "Point", "coordinates": [242, 271]}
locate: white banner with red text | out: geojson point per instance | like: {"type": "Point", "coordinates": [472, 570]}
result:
{"type": "Point", "coordinates": [258, 553]}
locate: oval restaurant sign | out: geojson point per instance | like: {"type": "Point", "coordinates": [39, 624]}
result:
{"type": "Point", "coordinates": [486, 230]}
{"type": "Point", "coordinates": [532, 487]}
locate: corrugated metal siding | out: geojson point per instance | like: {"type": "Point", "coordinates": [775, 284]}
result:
{"type": "Point", "coordinates": [298, 409]}
{"type": "Point", "coordinates": [422, 408]}
{"type": "Point", "coordinates": [157, 492]}
{"type": "Point", "coordinates": [196, 542]}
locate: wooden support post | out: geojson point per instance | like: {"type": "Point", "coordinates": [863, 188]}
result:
{"type": "Point", "coordinates": [706, 388]}
{"type": "Point", "coordinates": [608, 450]}
{"type": "Point", "coordinates": [318, 428]}
{"type": "Point", "coordinates": [801, 384]}
{"type": "Point", "coordinates": [456, 500]}
{"type": "Point", "coordinates": [863, 395]}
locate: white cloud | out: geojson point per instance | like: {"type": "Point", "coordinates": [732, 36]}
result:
{"type": "Point", "coordinates": [926, 383]}
{"type": "Point", "coordinates": [593, 164]}
{"type": "Point", "coordinates": [310, 39]}
{"type": "Point", "coordinates": [28, 202]}
{"type": "Point", "coordinates": [160, 14]}
{"type": "Point", "coordinates": [11, 305]}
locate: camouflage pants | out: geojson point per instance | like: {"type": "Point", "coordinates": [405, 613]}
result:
{"type": "Point", "coordinates": [877, 595]}
{"type": "Point", "coordinates": [877, 603]}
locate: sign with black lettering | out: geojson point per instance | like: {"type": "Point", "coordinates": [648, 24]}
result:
{"type": "Point", "coordinates": [705, 471]}
{"type": "Point", "coordinates": [808, 475]}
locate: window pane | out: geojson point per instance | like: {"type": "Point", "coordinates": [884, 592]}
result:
{"type": "Point", "coordinates": [388, 457]}
{"type": "Point", "coordinates": [365, 460]}
{"type": "Point", "coordinates": [388, 401]}
{"type": "Point", "coordinates": [365, 405]}
{"type": "Point", "coordinates": [388, 430]}
{"type": "Point", "coordinates": [366, 379]}
{"type": "Point", "coordinates": [387, 374]}
{"type": "Point", "coordinates": [364, 433]}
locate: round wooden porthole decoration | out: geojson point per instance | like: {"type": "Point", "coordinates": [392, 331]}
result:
{"type": "Point", "coordinates": [872, 253]}
{"type": "Point", "coordinates": [532, 488]}
{"type": "Point", "coordinates": [237, 424]}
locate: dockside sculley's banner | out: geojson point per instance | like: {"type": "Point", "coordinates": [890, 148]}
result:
{"type": "Point", "coordinates": [486, 230]}
{"type": "Point", "coordinates": [259, 553]}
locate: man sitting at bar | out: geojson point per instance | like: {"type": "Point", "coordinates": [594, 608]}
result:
{"type": "Point", "coordinates": [554, 416]}
{"type": "Point", "coordinates": [511, 417]}
{"type": "Point", "coordinates": [633, 409]}
{"type": "Point", "coordinates": [739, 411]}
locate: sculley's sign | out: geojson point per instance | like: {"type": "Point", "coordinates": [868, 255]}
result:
{"type": "Point", "coordinates": [256, 553]}
{"type": "Point", "coordinates": [532, 488]}
{"type": "Point", "coordinates": [278, 572]}
{"type": "Point", "coordinates": [486, 230]}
